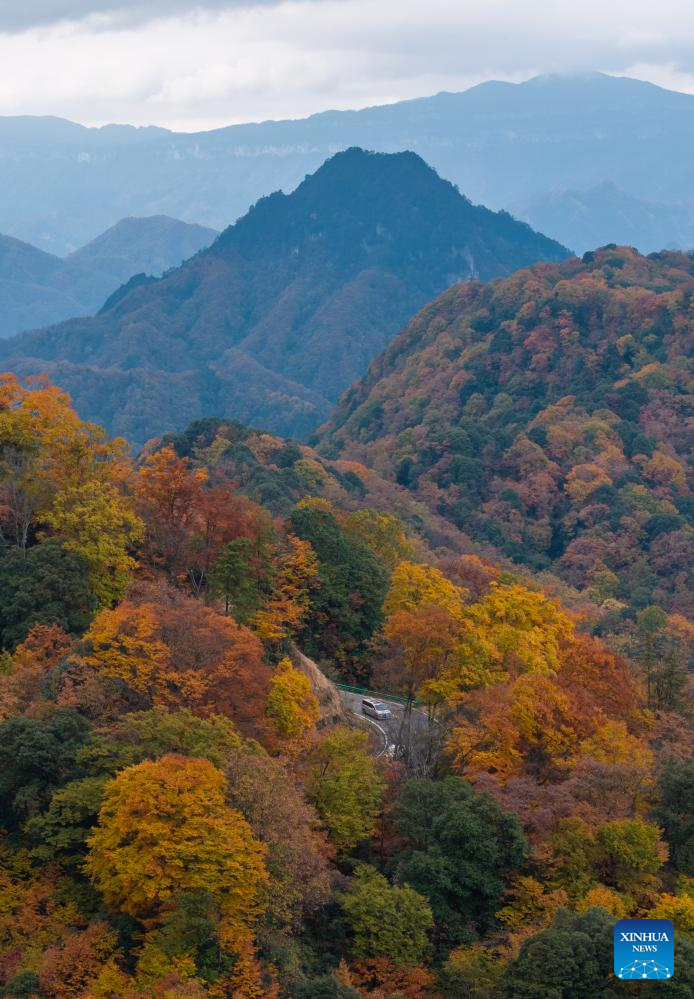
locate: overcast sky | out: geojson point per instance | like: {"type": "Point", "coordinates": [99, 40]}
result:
{"type": "Point", "coordinates": [191, 66]}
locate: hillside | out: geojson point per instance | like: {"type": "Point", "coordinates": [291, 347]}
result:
{"type": "Point", "coordinates": [502, 143]}
{"type": "Point", "coordinates": [550, 413]}
{"type": "Point", "coordinates": [287, 308]}
{"type": "Point", "coordinates": [149, 245]}
{"type": "Point", "coordinates": [38, 288]}
{"type": "Point", "coordinates": [192, 811]}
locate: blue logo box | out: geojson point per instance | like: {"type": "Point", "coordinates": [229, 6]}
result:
{"type": "Point", "coordinates": [644, 948]}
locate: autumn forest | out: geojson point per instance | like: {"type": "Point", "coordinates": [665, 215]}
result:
{"type": "Point", "coordinates": [190, 808]}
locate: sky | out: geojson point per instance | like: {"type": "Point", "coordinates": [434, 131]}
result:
{"type": "Point", "coordinates": [191, 66]}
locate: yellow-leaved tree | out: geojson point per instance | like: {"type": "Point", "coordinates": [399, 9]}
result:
{"type": "Point", "coordinates": [296, 574]}
{"type": "Point", "coordinates": [291, 703]}
{"type": "Point", "coordinates": [165, 830]}
{"type": "Point", "coordinates": [61, 475]}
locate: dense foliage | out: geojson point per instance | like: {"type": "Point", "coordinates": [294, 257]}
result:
{"type": "Point", "coordinates": [556, 425]}
{"type": "Point", "coordinates": [188, 807]}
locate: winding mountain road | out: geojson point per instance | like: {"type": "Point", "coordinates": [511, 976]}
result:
{"type": "Point", "coordinates": [389, 733]}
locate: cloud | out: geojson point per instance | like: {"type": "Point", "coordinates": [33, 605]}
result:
{"type": "Point", "coordinates": [169, 62]}
{"type": "Point", "coordinates": [16, 15]}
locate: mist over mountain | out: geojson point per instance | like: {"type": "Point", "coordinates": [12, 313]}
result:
{"type": "Point", "coordinates": [288, 306]}
{"type": "Point", "coordinates": [585, 219]}
{"type": "Point", "coordinates": [38, 288]}
{"type": "Point", "coordinates": [503, 144]}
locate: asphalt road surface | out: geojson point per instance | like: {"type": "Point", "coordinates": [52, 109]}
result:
{"type": "Point", "coordinates": [388, 734]}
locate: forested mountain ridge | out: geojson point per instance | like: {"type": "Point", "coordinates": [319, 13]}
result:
{"type": "Point", "coordinates": [38, 288]}
{"type": "Point", "coordinates": [550, 413]}
{"type": "Point", "coordinates": [288, 306]}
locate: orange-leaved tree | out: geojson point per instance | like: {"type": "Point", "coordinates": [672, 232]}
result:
{"type": "Point", "coordinates": [179, 653]}
{"type": "Point", "coordinates": [169, 495]}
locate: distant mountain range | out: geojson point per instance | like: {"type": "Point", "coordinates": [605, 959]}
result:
{"type": "Point", "coordinates": [505, 145]}
{"type": "Point", "coordinates": [606, 214]}
{"type": "Point", "coordinates": [286, 308]}
{"type": "Point", "coordinates": [38, 288]}
{"type": "Point", "coordinates": [550, 414]}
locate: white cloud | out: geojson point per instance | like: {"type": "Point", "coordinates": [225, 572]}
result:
{"type": "Point", "coordinates": [17, 15]}
{"type": "Point", "coordinates": [208, 67]}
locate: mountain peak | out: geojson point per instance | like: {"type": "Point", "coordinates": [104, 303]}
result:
{"type": "Point", "coordinates": [289, 305]}
{"type": "Point", "coordinates": [373, 175]}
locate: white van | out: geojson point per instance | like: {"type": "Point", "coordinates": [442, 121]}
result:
{"type": "Point", "coordinates": [375, 709]}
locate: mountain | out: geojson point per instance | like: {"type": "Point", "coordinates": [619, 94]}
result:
{"type": "Point", "coordinates": [142, 245]}
{"type": "Point", "coordinates": [273, 321]}
{"type": "Point", "coordinates": [552, 414]}
{"type": "Point", "coordinates": [606, 214]}
{"type": "Point", "coordinates": [502, 143]}
{"type": "Point", "coordinates": [38, 288]}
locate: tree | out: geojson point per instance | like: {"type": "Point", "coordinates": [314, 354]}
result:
{"type": "Point", "coordinates": [265, 793]}
{"type": "Point", "coordinates": [48, 584]}
{"type": "Point", "coordinates": [383, 533]}
{"type": "Point", "coordinates": [147, 735]}
{"type": "Point", "coordinates": [31, 676]}
{"type": "Point", "coordinates": [530, 903]}
{"type": "Point", "coordinates": [381, 978]}
{"type": "Point", "coordinates": [291, 703]}
{"type": "Point", "coordinates": [425, 643]}
{"type": "Point", "coordinates": [345, 787]}
{"type": "Point", "coordinates": [604, 898]}
{"type": "Point", "coordinates": [664, 675]}
{"type": "Point", "coordinates": [347, 608]}
{"type": "Point", "coordinates": [386, 920]}
{"type": "Point", "coordinates": [472, 972]}
{"type": "Point", "coordinates": [169, 496]}
{"type": "Point", "coordinates": [575, 860]}
{"type": "Point", "coordinates": [97, 522]}
{"type": "Point", "coordinates": [674, 811]}
{"type": "Point", "coordinates": [46, 450]}
{"type": "Point", "coordinates": [165, 829]}
{"type": "Point", "coordinates": [235, 577]}
{"type": "Point", "coordinates": [460, 850]}
{"type": "Point", "coordinates": [177, 653]}
{"type": "Point", "coordinates": [679, 909]}
{"type": "Point", "coordinates": [36, 757]}
{"type": "Point", "coordinates": [62, 475]}
{"type": "Point", "coordinates": [525, 626]}
{"type": "Point", "coordinates": [573, 959]}
{"type": "Point", "coordinates": [632, 852]}
{"type": "Point", "coordinates": [124, 644]}
{"type": "Point", "coordinates": [612, 743]}
{"type": "Point", "coordinates": [73, 968]}
{"type": "Point", "coordinates": [413, 585]}
{"type": "Point", "coordinates": [295, 576]}
{"type": "Point", "coordinates": [62, 830]}
{"type": "Point", "coordinates": [530, 723]}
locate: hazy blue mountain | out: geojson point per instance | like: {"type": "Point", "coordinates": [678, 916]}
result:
{"type": "Point", "coordinates": [501, 143]}
{"type": "Point", "coordinates": [38, 288]}
{"type": "Point", "coordinates": [606, 214]}
{"type": "Point", "coordinates": [286, 308]}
